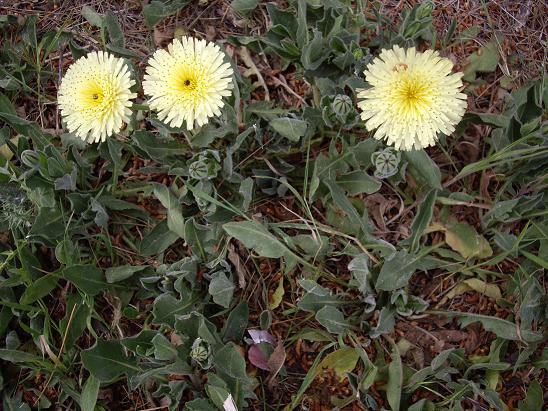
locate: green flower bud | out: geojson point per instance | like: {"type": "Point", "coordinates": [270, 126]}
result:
{"type": "Point", "coordinates": [424, 10]}
{"type": "Point", "coordinates": [386, 162]}
{"type": "Point", "coordinates": [201, 353]}
{"type": "Point", "coordinates": [342, 105]}
{"type": "Point", "coordinates": [358, 53]}
{"type": "Point", "coordinates": [205, 165]}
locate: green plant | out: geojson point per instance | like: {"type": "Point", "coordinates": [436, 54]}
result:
{"type": "Point", "coordinates": [145, 261]}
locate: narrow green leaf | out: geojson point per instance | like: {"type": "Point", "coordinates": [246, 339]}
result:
{"type": "Point", "coordinates": [422, 219]}
{"type": "Point", "coordinates": [90, 391]}
{"type": "Point", "coordinates": [423, 168]}
{"type": "Point", "coordinates": [254, 235]}
{"type": "Point", "coordinates": [534, 400]}
{"type": "Point", "coordinates": [115, 32]}
{"type": "Point", "coordinates": [39, 288]}
{"type": "Point", "coordinates": [502, 328]}
{"type": "Point", "coordinates": [342, 201]}
{"type": "Point", "coordinates": [122, 272]}
{"type": "Point", "coordinates": [395, 379]}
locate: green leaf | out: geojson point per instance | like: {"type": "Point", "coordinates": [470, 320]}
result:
{"type": "Point", "coordinates": [14, 403]}
{"type": "Point", "coordinates": [312, 334]}
{"type": "Point", "coordinates": [157, 10]}
{"type": "Point", "coordinates": [106, 361]}
{"type": "Point", "coordinates": [175, 220]}
{"type": "Point", "coordinates": [314, 53]}
{"type": "Point", "coordinates": [502, 328]}
{"type": "Point", "coordinates": [358, 182]}
{"type": "Point", "coordinates": [277, 295]}
{"type": "Point", "coordinates": [140, 342]}
{"type": "Point", "coordinates": [422, 219]}
{"type": "Point", "coordinates": [217, 394]}
{"type": "Point", "coordinates": [342, 201]}
{"type": "Point", "coordinates": [29, 32]}
{"type": "Point", "coordinates": [497, 120]}
{"type": "Point", "coordinates": [254, 235]}
{"type": "Point", "coordinates": [332, 319]}
{"type": "Point", "coordinates": [480, 286]}
{"type": "Point", "coordinates": [123, 52]}
{"type": "Point", "coordinates": [283, 18]}
{"type": "Point", "coordinates": [49, 224]}
{"type": "Point", "coordinates": [386, 322]}
{"type": "Point", "coordinates": [122, 272]}
{"type": "Point", "coordinates": [158, 149]}
{"type": "Point", "coordinates": [87, 278]}
{"type": "Point", "coordinates": [465, 240]}
{"type": "Point", "coordinates": [290, 128]}
{"type": "Point", "coordinates": [90, 391]}
{"type": "Point", "coordinates": [230, 362]}
{"type": "Point", "coordinates": [246, 190]}
{"type": "Point", "coordinates": [115, 32]}
{"type": "Point", "coordinates": [396, 271]}
{"type": "Point", "coordinates": [167, 307]}
{"type": "Point", "coordinates": [236, 322]}
{"type": "Point", "coordinates": [423, 168]}
{"type": "Point", "coordinates": [341, 361]}
{"type": "Point", "coordinates": [536, 259]}
{"type": "Point", "coordinates": [39, 288]}
{"type": "Point", "coordinates": [92, 16]}
{"type": "Point", "coordinates": [439, 359]}
{"type": "Point", "coordinates": [395, 379]}
{"type": "Point", "coordinates": [200, 404]}
{"type": "Point", "coordinates": [16, 356]}
{"type": "Point", "coordinates": [158, 239]}
{"type": "Point", "coordinates": [163, 349]}
{"type": "Point", "coordinates": [313, 302]}
{"type": "Point", "coordinates": [6, 105]}
{"type": "Point", "coordinates": [485, 60]}
{"type": "Point", "coordinates": [77, 315]}
{"type": "Point", "coordinates": [534, 400]}
{"type": "Point", "coordinates": [221, 289]}
{"type": "Point", "coordinates": [360, 272]}
{"type": "Point", "coordinates": [302, 27]}
{"type": "Point", "coordinates": [424, 404]}
{"type": "Point", "coordinates": [244, 7]}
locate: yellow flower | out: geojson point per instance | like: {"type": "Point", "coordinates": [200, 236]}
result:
{"type": "Point", "coordinates": [413, 97]}
{"type": "Point", "coordinates": [94, 96]}
{"type": "Point", "coordinates": [188, 82]}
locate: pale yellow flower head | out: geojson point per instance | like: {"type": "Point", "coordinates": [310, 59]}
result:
{"type": "Point", "coordinates": [94, 96]}
{"type": "Point", "coordinates": [413, 97]}
{"type": "Point", "coordinates": [187, 82]}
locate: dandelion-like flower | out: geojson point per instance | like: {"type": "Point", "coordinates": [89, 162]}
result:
{"type": "Point", "coordinates": [94, 96]}
{"type": "Point", "coordinates": [413, 97]}
{"type": "Point", "coordinates": [187, 82]}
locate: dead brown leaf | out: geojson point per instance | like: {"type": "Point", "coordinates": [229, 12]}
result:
{"type": "Point", "coordinates": [235, 259]}
{"type": "Point", "coordinates": [276, 361]}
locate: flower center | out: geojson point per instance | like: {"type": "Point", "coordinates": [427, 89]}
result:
{"type": "Point", "coordinates": [98, 96]}
{"type": "Point", "coordinates": [413, 90]}
{"type": "Point", "coordinates": [188, 83]}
